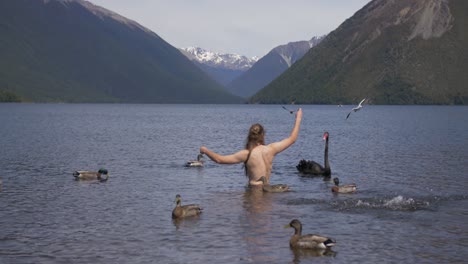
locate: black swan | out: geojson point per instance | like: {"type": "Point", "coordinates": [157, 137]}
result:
{"type": "Point", "coordinates": [312, 167]}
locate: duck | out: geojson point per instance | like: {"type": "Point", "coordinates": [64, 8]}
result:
{"type": "Point", "coordinates": [314, 168]}
{"type": "Point", "coordinates": [91, 175]}
{"type": "Point", "coordinates": [309, 241]}
{"type": "Point", "coordinates": [181, 211]}
{"type": "Point", "coordinates": [349, 188]}
{"type": "Point", "coordinates": [273, 188]}
{"type": "Point", "coordinates": [195, 163]}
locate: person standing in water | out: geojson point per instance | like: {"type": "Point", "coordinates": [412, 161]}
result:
{"type": "Point", "coordinates": [257, 157]}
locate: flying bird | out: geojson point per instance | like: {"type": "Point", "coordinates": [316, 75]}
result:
{"type": "Point", "coordinates": [290, 111]}
{"type": "Point", "coordinates": [357, 108]}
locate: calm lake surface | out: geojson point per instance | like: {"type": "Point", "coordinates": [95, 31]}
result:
{"type": "Point", "coordinates": [410, 164]}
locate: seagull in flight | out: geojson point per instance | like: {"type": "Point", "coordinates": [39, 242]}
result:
{"type": "Point", "coordinates": [357, 108]}
{"type": "Point", "coordinates": [290, 111]}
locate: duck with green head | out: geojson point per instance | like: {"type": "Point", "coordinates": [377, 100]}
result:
{"type": "Point", "coordinates": [182, 211]}
{"type": "Point", "coordinates": [196, 163]}
{"type": "Point", "coordinates": [309, 241]}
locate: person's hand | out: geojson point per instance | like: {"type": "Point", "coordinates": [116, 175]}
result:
{"type": "Point", "coordinates": [299, 113]}
{"type": "Point", "coordinates": [203, 149]}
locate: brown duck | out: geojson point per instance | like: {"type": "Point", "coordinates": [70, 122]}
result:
{"type": "Point", "coordinates": [182, 211]}
{"type": "Point", "coordinates": [92, 175]}
{"type": "Point", "coordinates": [273, 188]}
{"type": "Point", "coordinates": [349, 188]}
{"type": "Point", "coordinates": [309, 241]}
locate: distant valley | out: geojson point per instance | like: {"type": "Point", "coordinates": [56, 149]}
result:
{"type": "Point", "coordinates": [269, 67]}
{"type": "Point", "coordinates": [244, 76]}
{"type": "Point", "coordinates": [391, 52]}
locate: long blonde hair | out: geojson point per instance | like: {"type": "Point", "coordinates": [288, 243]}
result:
{"type": "Point", "coordinates": [255, 137]}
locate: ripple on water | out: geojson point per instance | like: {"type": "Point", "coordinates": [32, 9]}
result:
{"type": "Point", "coordinates": [396, 203]}
{"type": "Point", "coordinates": [395, 215]}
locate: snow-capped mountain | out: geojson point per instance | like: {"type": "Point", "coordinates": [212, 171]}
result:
{"type": "Point", "coordinates": [219, 60]}
{"type": "Point", "coordinates": [221, 67]}
{"type": "Point", "coordinates": [270, 67]}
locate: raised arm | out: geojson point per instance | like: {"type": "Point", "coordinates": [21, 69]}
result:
{"type": "Point", "coordinates": [285, 143]}
{"type": "Point", "coordinates": [237, 157]}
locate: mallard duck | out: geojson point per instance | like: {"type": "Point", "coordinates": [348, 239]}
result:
{"type": "Point", "coordinates": [196, 163]}
{"type": "Point", "coordinates": [182, 211]}
{"type": "Point", "coordinates": [349, 188]}
{"type": "Point", "coordinates": [273, 188]}
{"type": "Point", "coordinates": [308, 241]}
{"type": "Point", "coordinates": [91, 175]}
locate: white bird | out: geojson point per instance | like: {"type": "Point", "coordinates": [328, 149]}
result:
{"type": "Point", "coordinates": [357, 108]}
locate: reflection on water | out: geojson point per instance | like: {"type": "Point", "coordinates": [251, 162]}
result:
{"type": "Point", "coordinates": [300, 255]}
{"type": "Point", "coordinates": [258, 206]}
{"type": "Point", "coordinates": [256, 202]}
{"type": "Point", "coordinates": [408, 162]}
{"type": "Point", "coordinates": [188, 222]}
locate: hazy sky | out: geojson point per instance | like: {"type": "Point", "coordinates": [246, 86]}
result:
{"type": "Point", "coordinates": [245, 27]}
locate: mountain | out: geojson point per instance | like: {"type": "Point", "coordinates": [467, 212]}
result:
{"type": "Point", "coordinates": [270, 66]}
{"type": "Point", "coordinates": [222, 67]}
{"type": "Point", "coordinates": [392, 52]}
{"type": "Point", "coordinates": [74, 51]}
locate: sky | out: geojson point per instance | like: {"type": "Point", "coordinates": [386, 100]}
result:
{"type": "Point", "coordinates": [244, 27]}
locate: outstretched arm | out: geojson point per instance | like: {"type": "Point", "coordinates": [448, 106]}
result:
{"type": "Point", "coordinates": [285, 143]}
{"type": "Point", "coordinates": [237, 157]}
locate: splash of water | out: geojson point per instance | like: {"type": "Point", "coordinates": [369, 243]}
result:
{"type": "Point", "coordinates": [396, 203]}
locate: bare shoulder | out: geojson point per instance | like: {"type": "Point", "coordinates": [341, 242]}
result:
{"type": "Point", "coordinates": [277, 147]}
{"type": "Point", "coordinates": [242, 154]}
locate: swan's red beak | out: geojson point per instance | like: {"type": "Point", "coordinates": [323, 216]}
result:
{"type": "Point", "coordinates": [325, 136]}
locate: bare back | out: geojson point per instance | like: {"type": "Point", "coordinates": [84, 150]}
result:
{"type": "Point", "coordinates": [260, 164]}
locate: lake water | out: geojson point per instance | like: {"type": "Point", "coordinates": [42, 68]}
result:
{"type": "Point", "coordinates": [410, 164]}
